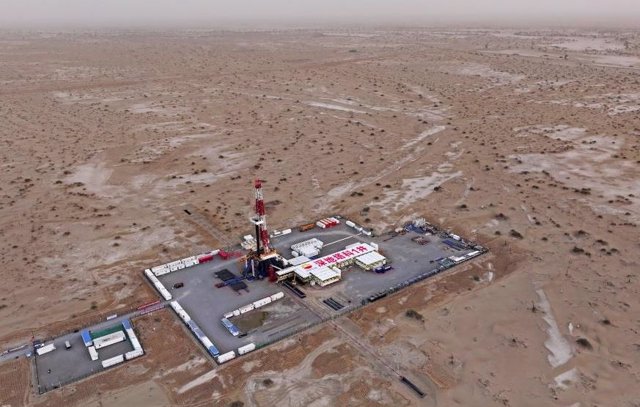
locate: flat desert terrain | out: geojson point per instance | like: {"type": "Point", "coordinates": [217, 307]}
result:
{"type": "Point", "coordinates": [527, 141]}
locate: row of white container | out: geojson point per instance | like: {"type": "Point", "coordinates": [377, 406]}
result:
{"type": "Point", "coordinates": [108, 340]}
{"type": "Point", "coordinates": [112, 361]}
{"type": "Point", "coordinates": [256, 304]}
{"type": "Point", "coordinates": [180, 311]}
{"type": "Point", "coordinates": [246, 348]}
{"type": "Point", "coordinates": [358, 228]}
{"type": "Point", "coordinates": [158, 285]}
{"type": "Point", "coordinates": [458, 259]}
{"type": "Point", "coordinates": [182, 263]}
{"type": "Point", "coordinates": [206, 342]}
{"type": "Point", "coordinates": [134, 339]}
{"type": "Point", "coordinates": [314, 243]}
{"type": "Point", "coordinates": [174, 266]}
{"type": "Point", "coordinates": [307, 251]}
{"type": "Point", "coordinates": [280, 232]}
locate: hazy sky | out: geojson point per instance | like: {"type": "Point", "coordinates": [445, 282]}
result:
{"type": "Point", "coordinates": [136, 12]}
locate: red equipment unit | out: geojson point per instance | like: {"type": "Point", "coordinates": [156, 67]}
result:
{"type": "Point", "coordinates": [205, 258]}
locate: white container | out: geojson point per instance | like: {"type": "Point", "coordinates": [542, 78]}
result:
{"type": "Point", "coordinates": [236, 312]}
{"type": "Point", "coordinates": [455, 237]}
{"type": "Point", "coordinates": [350, 224]}
{"type": "Point", "coordinates": [246, 308]}
{"type": "Point", "coordinates": [134, 339]}
{"type": "Point", "coordinates": [225, 357]}
{"type": "Point", "coordinates": [320, 224]}
{"type": "Point", "coordinates": [93, 353]}
{"type": "Point", "coordinates": [133, 354]}
{"type": "Point", "coordinates": [206, 342]}
{"type": "Point", "coordinates": [228, 315]}
{"type": "Point", "coordinates": [286, 231]}
{"type": "Point", "coordinates": [45, 349]}
{"type": "Point", "coordinates": [262, 302]}
{"type": "Point", "coordinates": [277, 296]}
{"type": "Point", "coordinates": [246, 348]}
{"type": "Point", "coordinates": [113, 361]}
{"type": "Point", "coordinates": [109, 340]}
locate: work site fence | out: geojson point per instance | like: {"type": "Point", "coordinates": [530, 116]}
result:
{"type": "Point", "coordinates": [100, 318]}
{"type": "Point", "coordinates": [43, 389]}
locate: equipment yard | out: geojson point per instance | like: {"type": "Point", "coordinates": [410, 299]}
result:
{"type": "Point", "coordinates": [71, 357]}
{"type": "Point", "coordinates": [207, 301]}
{"type": "Point", "coordinates": [232, 313]}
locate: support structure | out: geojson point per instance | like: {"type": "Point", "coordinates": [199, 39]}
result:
{"type": "Point", "coordinates": [260, 221]}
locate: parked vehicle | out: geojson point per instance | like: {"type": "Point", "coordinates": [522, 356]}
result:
{"type": "Point", "coordinates": [178, 285]}
{"type": "Point", "coordinates": [67, 345]}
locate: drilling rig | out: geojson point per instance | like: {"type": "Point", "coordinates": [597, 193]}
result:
{"type": "Point", "coordinates": [263, 261]}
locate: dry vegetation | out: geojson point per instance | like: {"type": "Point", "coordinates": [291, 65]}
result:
{"type": "Point", "coordinates": [527, 141]}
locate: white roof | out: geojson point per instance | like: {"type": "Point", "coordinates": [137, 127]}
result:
{"type": "Point", "coordinates": [311, 242]}
{"type": "Point", "coordinates": [325, 273]}
{"type": "Point", "coordinates": [371, 258]}
{"type": "Point", "coordinates": [296, 261]}
{"type": "Point", "coordinates": [302, 272]}
{"type": "Point", "coordinates": [353, 251]}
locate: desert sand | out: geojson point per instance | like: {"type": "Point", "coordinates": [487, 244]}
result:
{"type": "Point", "coordinates": [526, 140]}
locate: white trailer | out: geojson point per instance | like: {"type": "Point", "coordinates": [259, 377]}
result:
{"type": "Point", "coordinates": [163, 291]}
{"type": "Point", "coordinates": [112, 361]}
{"type": "Point", "coordinates": [225, 357]}
{"type": "Point", "coordinates": [246, 348]}
{"type": "Point", "coordinates": [45, 349]}
{"type": "Point", "coordinates": [246, 308]}
{"type": "Point", "coordinates": [180, 311]}
{"type": "Point", "coordinates": [262, 302]}
{"type": "Point", "coordinates": [133, 354]}
{"type": "Point", "coordinates": [93, 353]}
{"type": "Point", "coordinates": [109, 340]}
